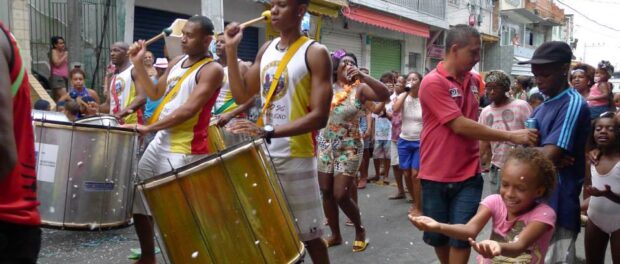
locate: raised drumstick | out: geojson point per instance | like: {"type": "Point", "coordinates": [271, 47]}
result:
{"type": "Point", "coordinates": [166, 32]}
{"type": "Point", "coordinates": [266, 16]}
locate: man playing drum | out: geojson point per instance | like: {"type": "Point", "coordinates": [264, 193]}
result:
{"type": "Point", "coordinates": [20, 235]}
{"type": "Point", "coordinates": [189, 88]}
{"type": "Point", "coordinates": [298, 105]}
{"type": "Point", "coordinates": [225, 107]}
{"type": "Point", "coordinates": [123, 98]}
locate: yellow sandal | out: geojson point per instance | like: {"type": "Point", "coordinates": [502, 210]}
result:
{"type": "Point", "coordinates": [359, 246]}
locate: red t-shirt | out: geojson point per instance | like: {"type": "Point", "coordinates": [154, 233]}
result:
{"type": "Point", "coordinates": [18, 193]}
{"type": "Point", "coordinates": [446, 156]}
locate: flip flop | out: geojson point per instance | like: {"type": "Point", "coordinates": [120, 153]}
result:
{"type": "Point", "coordinates": [359, 246]}
{"type": "Point", "coordinates": [332, 243]}
{"type": "Point", "coordinates": [397, 196]}
{"type": "Point", "coordinates": [348, 223]}
{"type": "Point", "coordinates": [136, 253]}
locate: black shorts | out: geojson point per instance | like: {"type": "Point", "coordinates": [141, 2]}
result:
{"type": "Point", "coordinates": [19, 243]}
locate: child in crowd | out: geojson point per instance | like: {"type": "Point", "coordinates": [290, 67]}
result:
{"type": "Point", "coordinates": [535, 100]}
{"type": "Point", "coordinates": [60, 106]}
{"type": "Point", "coordinates": [383, 131]}
{"type": "Point", "coordinates": [77, 77]}
{"type": "Point", "coordinates": [600, 98]}
{"type": "Point", "coordinates": [42, 105]}
{"type": "Point", "coordinates": [72, 110]}
{"type": "Point", "coordinates": [522, 223]}
{"type": "Point", "coordinates": [603, 224]}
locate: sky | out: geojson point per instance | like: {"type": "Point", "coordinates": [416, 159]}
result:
{"type": "Point", "coordinates": [596, 42]}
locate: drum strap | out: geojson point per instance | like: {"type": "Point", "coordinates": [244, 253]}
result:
{"type": "Point", "coordinates": [172, 93]}
{"type": "Point", "coordinates": [225, 106]}
{"type": "Point", "coordinates": [276, 77]}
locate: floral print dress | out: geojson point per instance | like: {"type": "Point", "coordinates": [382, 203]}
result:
{"type": "Point", "coordinates": [340, 143]}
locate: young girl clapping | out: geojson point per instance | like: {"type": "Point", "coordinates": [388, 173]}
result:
{"type": "Point", "coordinates": [522, 223]}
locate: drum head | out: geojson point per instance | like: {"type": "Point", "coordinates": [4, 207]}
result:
{"type": "Point", "coordinates": [39, 115]}
{"type": "Point", "coordinates": [102, 120]}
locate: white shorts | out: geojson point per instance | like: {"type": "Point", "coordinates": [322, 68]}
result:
{"type": "Point", "coordinates": [299, 180]}
{"type": "Point", "coordinates": [394, 161]}
{"type": "Point", "coordinates": [156, 161]}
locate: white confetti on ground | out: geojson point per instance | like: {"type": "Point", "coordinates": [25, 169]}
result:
{"type": "Point", "coordinates": [52, 210]}
{"type": "Point", "coordinates": [256, 242]}
{"type": "Point", "coordinates": [195, 254]}
{"type": "Point", "coordinates": [79, 164]}
{"type": "Point", "coordinates": [269, 201]}
{"type": "Point", "coordinates": [254, 184]}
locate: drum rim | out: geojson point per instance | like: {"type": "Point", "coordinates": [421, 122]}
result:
{"type": "Point", "coordinates": [200, 164]}
{"type": "Point", "coordinates": [87, 127]}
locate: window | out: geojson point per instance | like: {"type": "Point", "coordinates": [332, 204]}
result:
{"type": "Point", "coordinates": [454, 2]}
{"type": "Point", "coordinates": [413, 61]}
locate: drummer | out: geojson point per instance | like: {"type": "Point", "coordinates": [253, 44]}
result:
{"type": "Point", "coordinates": [225, 107]}
{"type": "Point", "coordinates": [123, 98]}
{"type": "Point", "coordinates": [20, 235]}
{"type": "Point", "coordinates": [189, 88]}
{"type": "Point", "coordinates": [299, 106]}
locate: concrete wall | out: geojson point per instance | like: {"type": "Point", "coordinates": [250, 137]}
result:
{"type": "Point", "coordinates": [20, 27]}
{"type": "Point", "coordinates": [459, 14]}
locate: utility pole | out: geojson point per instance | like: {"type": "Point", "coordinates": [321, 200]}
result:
{"type": "Point", "coordinates": [74, 38]}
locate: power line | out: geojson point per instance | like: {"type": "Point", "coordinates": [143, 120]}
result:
{"type": "Point", "coordinates": [588, 18]}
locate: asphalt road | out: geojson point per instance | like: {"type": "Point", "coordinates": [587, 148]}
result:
{"type": "Point", "coordinates": [392, 238]}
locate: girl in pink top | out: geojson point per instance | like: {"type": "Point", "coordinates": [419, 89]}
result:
{"type": "Point", "coordinates": [59, 63]}
{"type": "Point", "coordinates": [522, 224]}
{"type": "Point", "coordinates": [599, 98]}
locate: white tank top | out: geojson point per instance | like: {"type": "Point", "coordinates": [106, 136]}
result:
{"type": "Point", "coordinates": [125, 91]}
{"type": "Point", "coordinates": [225, 94]}
{"type": "Point", "coordinates": [290, 101]}
{"type": "Point", "coordinates": [411, 119]}
{"type": "Point", "coordinates": [189, 137]}
{"type": "Point", "coordinates": [602, 205]}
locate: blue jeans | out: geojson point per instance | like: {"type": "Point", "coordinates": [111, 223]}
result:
{"type": "Point", "coordinates": [451, 203]}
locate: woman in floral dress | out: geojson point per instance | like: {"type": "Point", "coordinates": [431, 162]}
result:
{"type": "Point", "coordinates": [341, 145]}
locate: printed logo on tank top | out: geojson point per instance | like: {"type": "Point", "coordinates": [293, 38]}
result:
{"type": "Point", "coordinates": [276, 110]}
{"type": "Point", "coordinates": [270, 71]}
{"type": "Point", "coordinates": [119, 85]}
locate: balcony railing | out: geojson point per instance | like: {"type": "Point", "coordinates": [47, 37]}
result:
{"type": "Point", "coordinates": [436, 8]}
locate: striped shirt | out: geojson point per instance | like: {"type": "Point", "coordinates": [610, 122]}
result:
{"type": "Point", "coordinates": [564, 121]}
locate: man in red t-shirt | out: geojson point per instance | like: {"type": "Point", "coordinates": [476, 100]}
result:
{"type": "Point", "coordinates": [20, 235]}
{"type": "Point", "coordinates": [450, 160]}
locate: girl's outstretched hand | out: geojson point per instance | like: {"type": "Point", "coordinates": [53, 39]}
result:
{"type": "Point", "coordinates": [424, 223]}
{"type": "Point", "coordinates": [486, 248]}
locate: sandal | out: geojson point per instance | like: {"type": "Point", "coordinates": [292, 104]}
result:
{"type": "Point", "coordinates": [359, 246]}
{"type": "Point", "coordinates": [374, 179]}
{"type": "Point", "coordinates": [397, 196]}
{"type": "Point", "coordinates": [349, 223]}
{"type": "Point", "coordinates": [362, 184]}
{"type": "Point", "coordinates": [332, 242]}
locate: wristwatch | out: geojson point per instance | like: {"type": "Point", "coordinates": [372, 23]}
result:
{"type": "Point", "coordinates": [268, 133]}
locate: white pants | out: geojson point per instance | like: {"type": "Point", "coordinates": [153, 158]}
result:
{"type": "Point", "coordinates": [156, 161]}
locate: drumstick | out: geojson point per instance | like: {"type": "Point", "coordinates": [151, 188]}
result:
{"type": "Point", "coordinates": [166, 32]}
{"type": "Point", "coordinates": [266, 15]}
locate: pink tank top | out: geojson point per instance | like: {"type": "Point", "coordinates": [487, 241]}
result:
{"type": "Point", "coordinates": [62, 70]}
{"type": "Point", "coordinates": [595, 91]}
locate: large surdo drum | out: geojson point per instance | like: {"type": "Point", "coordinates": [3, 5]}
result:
{"type": "Point", "coordinates": [226, 208]}
{"type": "Point", "coordinates": [84, 172]}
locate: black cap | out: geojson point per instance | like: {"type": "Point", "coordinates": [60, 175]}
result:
{"type": "Point", "coordinates": [551, 52]}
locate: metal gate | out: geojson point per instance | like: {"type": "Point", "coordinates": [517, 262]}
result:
{"type": "Point", "coordinates": [50, 18]}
